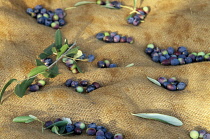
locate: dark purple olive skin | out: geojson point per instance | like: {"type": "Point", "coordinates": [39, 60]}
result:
{"type": "Point", "coordinates": [78, 131]}
{"type": "Point", "coordinates": [97, 85]}
{"type": "Point", "coordinates": [171, 87]}
{"type": "Point", "coordinates": [161, 80]}
{"type": "Point", "coordinates": [91, 131]}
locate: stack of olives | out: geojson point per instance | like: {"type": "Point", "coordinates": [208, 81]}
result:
{"type": "Point", "coordinates": [46, 17]}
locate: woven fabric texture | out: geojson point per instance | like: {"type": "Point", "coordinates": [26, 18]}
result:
{"type": "Point", "coordinates": [125, 90]}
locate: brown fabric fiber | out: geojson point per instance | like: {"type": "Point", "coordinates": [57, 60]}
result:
{"type": "Point", "coordinates": [125, 90]}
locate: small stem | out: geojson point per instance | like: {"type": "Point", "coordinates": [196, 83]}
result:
{"type": "Point", "coordinates": [52, 63]}
{"type": "Point", "coordinates": [133, 10]}
{"type": "Point", "coordinates": [126, 7]}
{"type": "Point", "coordinates": [82, 59]}
{"type": "Point", "coordinates": [62, 55]}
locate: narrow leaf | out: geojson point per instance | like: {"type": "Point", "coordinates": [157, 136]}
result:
{"type": "Point", "coordinates": [46, 74]}
{"type": "Point", "coordinates": [5, 87]}
{"type": "Point", "coordinates": [20, 89]}
{"type": "Point", "coordinates": [37, 70]}
{"type": "Point", "coordinates": [130, 65]}
{"type": "Point", "coordinates": [48, 50]}
{"type": "Point", "coordinates": [134, 4]}
{"type": "Point", "coordinates": [33, 117]}
{"type": "Point", "coordinates": [154, 81]}
{"type": "Point", "coordinates": [72, 52]}
{"type": "Point", "coordinates": [60, 123]}
{"type": "Point", "coordinates": [62, 50]}
{"type": "Point", "coordinates": [53, 72]}
{"type": "Point", "coordinates": [58, 39]}
{"type": "Point", "coordinates": [66, 41]}
{"type": "Point", "coordinates": [43, 56]}
{"type": "Point", "coordinates": [23, 119]}
{"type": "Point", "coordinates": [79, 53]}
{"type": "Point", "coordinates": [62, 129]}
{"type": "Point", "coordinates": [54, 50]}
{"type": "Point", "coordinates": [161, 117]}
{"type": "Point", "coordinates": [84, 2]}
{"type": "Point", "coordinates": [79, 69]}
{"type": "Point", "coordinates": [39, 63]}
{"type": "Point", "coordinates": [28, 121]}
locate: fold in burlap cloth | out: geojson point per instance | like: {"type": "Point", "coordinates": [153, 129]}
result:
{"type": "Point", "coordinates": [125, 90]}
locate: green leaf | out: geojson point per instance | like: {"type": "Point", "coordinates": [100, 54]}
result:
{"type": "Point", "coordinates": [37, 70]}
{"type": "Point", "coordinates": [5, 87]}
{"type": "Point", "coordinates": [72, 52]}
{"type": "Point", "coordinates": [134, 4]}
{"type": "Point", "coordinates": [43, 56]}
{"type": "Point", "coordinates": [154, 81]}
{"type": "Point", "coordinates": [84, 2]}
{"type": "Point", "coordinates": [62, 129]}
{"type": "Point", "coordinates": [52, 73]}
{"type": "Point", "coordinates": [23, 119]}
{"type": "Point", "coordinates": [30, 120]}
{"type": "Point", "coordinates": [79, 53]}
{"type": "Point", "coordinates": [79, 69]}
{"type": "Point", "coordinates": [39, 63]}
{"type": "Point", "coordinates": [130, 65]}
{"type": "Point", "coordinates": [20, 89]}
{"type": "Point", "coordinates": [161, 117]}
{"type": "Point", "coordinates": [48, 50]}
{"type": "Point", "coordinates": [108, 5]}
{"type": "Point", "coordinates": [58, 39]}
{"type": "Point", "coordinates": [54, 50]}
{"type": "Point", "coordinates": [62, 50]}
{"type": "Point", "coordinates": [59, 123]}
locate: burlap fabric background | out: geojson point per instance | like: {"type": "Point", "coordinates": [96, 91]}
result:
{"type": "Point", "coordinates": [125, 90]}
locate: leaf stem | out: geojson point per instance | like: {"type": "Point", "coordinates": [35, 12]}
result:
{"type": "Point", "coordinates": [126, 7]}
{"type": "Point", "coordinates": [133, 10]}
{"type": "Point", "coordinates": [52, 63]}
{"type": "Point", "coordinates": [62, 55]}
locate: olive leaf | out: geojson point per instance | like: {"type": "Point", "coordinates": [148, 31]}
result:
{"type": "Point", "coordinates": [20, 89]}
{"type": "Point", "coordinates": [134, 4]}
{"type": "Point", "coordinates": [39, 63]}
{"type": "Point", "coordinates": [5, 87]}
{"type": "Point", "coordinates": [51, 73]}
{"type": "Point", "coordinates": [62, 50]}
{"type": "Point", "coordinates": [79, 69]}
{"type": "Point", "coordinates": [48, 50]}
{"type": "Point", "coordinates": [160, 117]}
{"type": "Point", "coordinates": [72, 52]}
{"type": "Point", "coordinates": [84, 2]}
{"type": "Point", "coordinates": [43, 56]}
{"type": "Point", "coordinates": [79, 53]}
{"type": "Point", "coordinates": [59, 123]}
{"type": "Point", "coordinates": [58, 39]}
{"type": "Point", "coordinates": [154, 81]}
{"type": "Point", "coordinates": [23, 119]}
{"type": "Point", "coordinates": [37, 70]}
{"type": "Point", "coordinates": [62, 129]}
{"type": "Point", "coordinates": [54, 50]}
{"type": "Point", "coordinates": [130, 65]}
